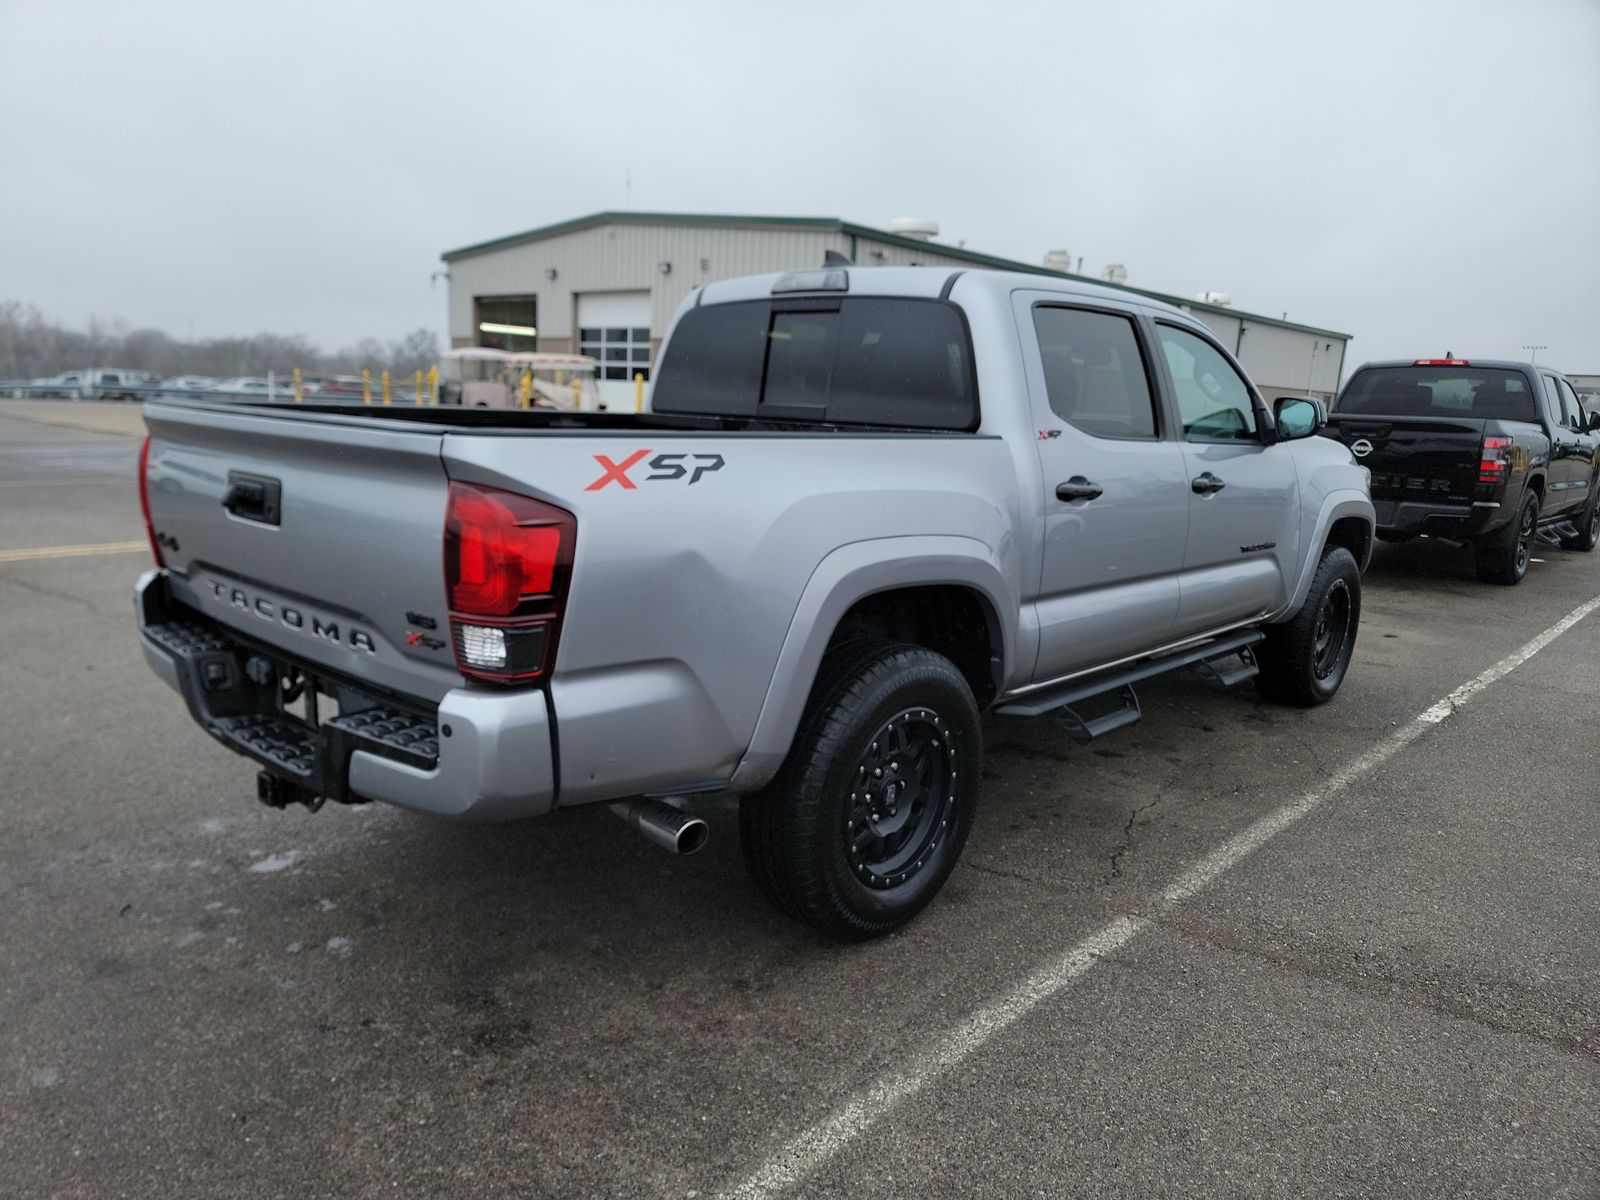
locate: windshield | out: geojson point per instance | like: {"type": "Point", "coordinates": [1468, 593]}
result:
{"type": "Point", "coordinates": [1480, 393]}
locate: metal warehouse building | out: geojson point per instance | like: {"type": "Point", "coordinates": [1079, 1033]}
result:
{"type": "Point", "coordinates": [607, 285]}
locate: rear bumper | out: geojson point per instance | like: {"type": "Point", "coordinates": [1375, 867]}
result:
{"type": "Point", "coordinates": [478, 755]}
{"type": "Point", "coordinates": [1408, 518]}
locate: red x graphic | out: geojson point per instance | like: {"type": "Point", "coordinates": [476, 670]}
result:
{"type": "Point", "coordinates": [616, 471]}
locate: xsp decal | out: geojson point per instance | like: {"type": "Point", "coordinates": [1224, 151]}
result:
{"type": "Point", "coordinates": [663, 468]}
{"type": "Point", "coordinates": [616, 471]}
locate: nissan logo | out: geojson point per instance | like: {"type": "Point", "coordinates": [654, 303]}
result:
{"type": "Point", "coordinates": [1361, 448]}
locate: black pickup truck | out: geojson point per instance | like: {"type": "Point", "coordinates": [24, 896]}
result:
{"type": "Point", "coordinates": [1494, 454]}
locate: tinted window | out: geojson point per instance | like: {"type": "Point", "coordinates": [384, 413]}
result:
{"type": "Point", "coordinates": [1475, 393]}
{"type": "Point", "coordinates": [713, 361]}
{"type": "Point", "coordinates": [866, 361]}
{"type": "Point", "coordinates": [902, 363]}
{"type": "Point", "coordinates": [1093, 372]}
{"type": "Point", "coordinates": [799, 357]}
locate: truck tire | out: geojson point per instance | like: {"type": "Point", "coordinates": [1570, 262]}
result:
{"type": "Point", "coordinates": [1304, 660]}
{"type": "Point", "coordinates": [1588, 534]}
{"type": "Point", "coordinates": [1504, 557]}
{"type": "Point", "coordinates": [867, 817]}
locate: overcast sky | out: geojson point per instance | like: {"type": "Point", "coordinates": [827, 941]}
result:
{"type": "Point", "coordinates": [1425, 176]}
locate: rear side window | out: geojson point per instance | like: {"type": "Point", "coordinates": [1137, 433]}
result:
{"type": "Point", "coordinates": [1094, 374]}
{"type": "Point", "coordinates": [1474, 393]}
{"type": "Point", "coordinates": [856, 361]}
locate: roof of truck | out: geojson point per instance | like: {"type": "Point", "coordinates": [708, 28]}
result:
{"type": "Point", "coordinates": [918, 282]}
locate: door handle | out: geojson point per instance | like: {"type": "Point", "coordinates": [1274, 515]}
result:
{"type": "Point", "coordinates": [1078, 488]}
{"type": "Point", "coordinates": [1205, 483]}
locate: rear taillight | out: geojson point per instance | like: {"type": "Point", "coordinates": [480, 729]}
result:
{"type": "Point", "coordinates": [1494, 460]}
{"type": "Point", "coordinates": [1440, 362]}
{"type": "Point", "coordinates": [507, 561]}
{"type": "Point", "coordinates": [144, 501]}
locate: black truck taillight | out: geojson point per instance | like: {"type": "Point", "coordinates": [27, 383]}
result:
{"type": "Point", "coordinates": [507, 563]}
{"type": "Point", "coordinates": [144, 501]}
{"type": "Point", "coordinates": [1494, 460]}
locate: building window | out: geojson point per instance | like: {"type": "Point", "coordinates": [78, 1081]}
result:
{"type": "Point", "coordinates": [622, 353]}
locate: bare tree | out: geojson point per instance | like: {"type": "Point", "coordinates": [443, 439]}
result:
{"type": "Point", "coordinates": [32, 346]}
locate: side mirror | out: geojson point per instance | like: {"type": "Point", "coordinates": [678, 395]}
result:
{"type": "Point", "coordinates": [1298, 417]}
{"type": "Point", "coordinates": [1593, 422]}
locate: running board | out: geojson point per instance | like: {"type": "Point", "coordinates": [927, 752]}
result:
{"type": "Point", "coordinates": [1084, 730]}
{"type": "Point", "coordinates": [1211, 658]}
{"type": "Point", "coordinates": [1552, 534]}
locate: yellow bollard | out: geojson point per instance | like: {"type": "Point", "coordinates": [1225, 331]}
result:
{"type": "Point", "coordinates": [416, 388]}
{"type": "Point", "coordinates": [577, 393]}
{"type": "Point", "coordinates": [366, 385]}
{"type": "Point", "coordinates": [387, 397]}
{"type": "Point", "coordinates": [297, 385]}
{"type": "Point", "coordinates": [525, 389]}
{"type": "Point", "coordinates": [433, 384]}
{"type": "Point", "coordinates": [561, 379]}
{"type": "Point", "coordinates": [638, 391]}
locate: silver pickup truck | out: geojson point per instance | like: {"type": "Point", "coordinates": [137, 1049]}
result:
{"type": "Point", "coordinates": [867, 506]}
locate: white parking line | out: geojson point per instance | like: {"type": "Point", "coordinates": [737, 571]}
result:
{"type": "Point", "coordinates": [30, 553]}
{"type": "Point", "coordinates": [803, 1154]}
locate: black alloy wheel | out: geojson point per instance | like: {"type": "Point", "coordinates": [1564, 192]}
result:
{"type": "Point", "coordinates": [905, 793]}
{"type": "Point", "coordinates": [1331, 631]}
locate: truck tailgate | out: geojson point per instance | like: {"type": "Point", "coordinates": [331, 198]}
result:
{"type": "Point", "coordinates": [1426, 459]}
{"type": "Point", "coordinates": [319, 535]}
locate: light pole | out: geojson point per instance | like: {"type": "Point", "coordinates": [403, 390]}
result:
{"type": "Point", "coordinates": [1535, 350]}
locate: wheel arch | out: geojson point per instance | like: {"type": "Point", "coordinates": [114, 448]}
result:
{"type": "Point", "coordinates": [931, 591]}
{"type": "Point", "coordinates": [1345, 518]}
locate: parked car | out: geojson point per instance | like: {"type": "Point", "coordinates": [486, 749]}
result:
{"type": "Point", "coordinates": [188, 383]}
{"type": "Point", "coordinates": [1487, 453]}
{"type": "Point", "coordinates": [800, 579]}
{"type": "Point", "coordinates": [254, 387]}
{"type": "Point", "coordinates": [68, 384]}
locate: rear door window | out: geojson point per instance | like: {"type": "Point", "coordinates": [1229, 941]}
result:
{"type": "Point", "coordinates": [1094, 374]}
{"type": "Point", "coordinates": [1472, 393]}
{"type": "Point", "coordinates": [855, 361]}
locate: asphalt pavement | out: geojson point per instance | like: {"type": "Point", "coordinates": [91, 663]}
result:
{"type": "Point", "coordinates": [1350, 955]}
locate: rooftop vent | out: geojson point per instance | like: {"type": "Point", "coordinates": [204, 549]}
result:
{"type": "Point", "coordinates": [1058, 260]}
{"type": "Point", "coordinates": [921, 228]}
{"type": "Point", "coordinates": [1220, 299]}
{"type": "Point", "coordinates": [1114, 273]}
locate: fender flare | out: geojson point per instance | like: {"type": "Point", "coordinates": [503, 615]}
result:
{"type": "Point", "coordinates": [849, 574]}
{"type": "Point", "coordinates": [1336, 505]}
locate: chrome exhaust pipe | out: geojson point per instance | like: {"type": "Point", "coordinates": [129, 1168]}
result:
{"type": "Point", "coordinates": [670, 828]}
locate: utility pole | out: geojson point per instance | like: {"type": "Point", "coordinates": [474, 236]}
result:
{"type": "Point", "coordinates": [1535, 350]}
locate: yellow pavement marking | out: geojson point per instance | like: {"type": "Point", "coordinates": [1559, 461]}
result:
{"type": "Point", "coordinates": [27, 553]}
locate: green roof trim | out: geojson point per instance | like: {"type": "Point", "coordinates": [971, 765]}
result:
{"type": "Point", "coordinates": [865, 233]}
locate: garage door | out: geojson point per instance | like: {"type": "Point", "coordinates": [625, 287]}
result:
{"type": "Point", "coordinates": [614, 327]}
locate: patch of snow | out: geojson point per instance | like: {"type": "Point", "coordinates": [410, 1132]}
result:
{"type": "Point", "coordinates": [275, 862]}
{"type": "Point", "coordinates": [340, 947]}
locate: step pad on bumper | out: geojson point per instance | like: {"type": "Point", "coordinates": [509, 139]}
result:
{"type": "Point", "coordinates": [393, 734]}
{"type": "Point", "coordinates": [282, 742]}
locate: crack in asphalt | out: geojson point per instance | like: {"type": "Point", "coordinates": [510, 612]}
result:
{"type": "Point", "coordinates": [1414, 994]}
